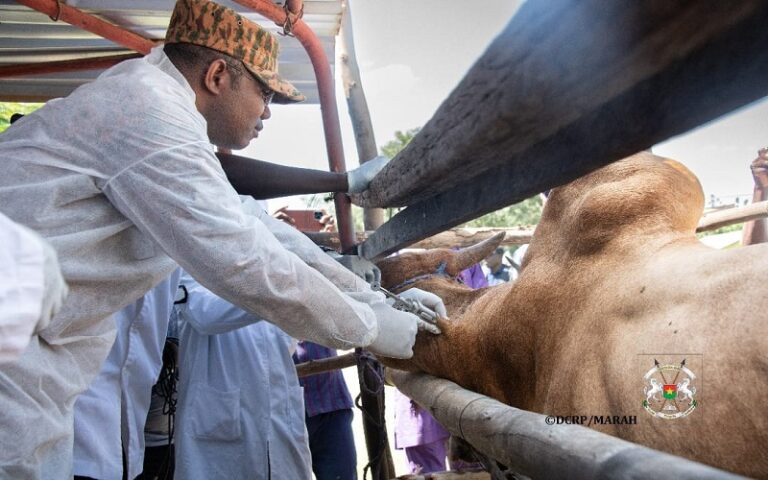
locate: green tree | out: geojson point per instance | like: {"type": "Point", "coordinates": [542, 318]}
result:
{"type": "Point", "coordinates": [527, 212]}
{"type": "Point", "coordinates": [9, 108]}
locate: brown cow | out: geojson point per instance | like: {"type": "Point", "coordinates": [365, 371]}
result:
{"type": "Point", "coordinates": [614, 277]}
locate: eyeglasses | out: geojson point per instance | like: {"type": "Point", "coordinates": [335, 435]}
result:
{"type": "Point", "coordinates": [267, 94]}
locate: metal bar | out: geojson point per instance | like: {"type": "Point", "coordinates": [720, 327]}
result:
{"type": "Point", "coordinates": [331, 126]}
{"type": "Point", "coordinates": [456, 237]}
{"type": "Point", "coordinates": [92, 63]}
{"type": "Point", "coordinates": [372, 404]}
{"type": "Point", "coordinates": [533, 114]}
{"type": "Point", "coordinates": [313, 367]}
{"type": "Point", "coordinates": [90, 23]}
{"type": "Point", "coordinates": [464, 237]}
{"type": "Point", "coordinates": [731, 216]}
{"type": "Point", "coordinates": [328, 109]}
{"type": "Point", "coordinates": [527, 444]}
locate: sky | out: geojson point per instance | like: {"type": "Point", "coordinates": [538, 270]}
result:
{"type": "Point", "coordinates": [411, 54]}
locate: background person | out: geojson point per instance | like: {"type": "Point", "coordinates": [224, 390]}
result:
{"type": "Point", "coordinates": [110, 415]}
{"type": "Point", "coordinates": [756, 231]}
{"type": "Point", "coordinates": [328, 407]}
{"type": "Point", "coordinates": [240, 409]}
{"type": "Point", "coordinates": [496, 272]}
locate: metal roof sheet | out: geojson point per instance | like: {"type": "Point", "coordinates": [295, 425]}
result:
{"type": "Point", "coordinates": [28, 37]}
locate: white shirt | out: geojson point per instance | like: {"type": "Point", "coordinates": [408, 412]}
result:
{"type": "Point", "coordinates": [21, 287]}
{"type": "Point", "coordinates": [110, 415]}
{"type": "Point", "coordinates": [241, 409]}
{"type": "Point", "coordinates": [121, 179]}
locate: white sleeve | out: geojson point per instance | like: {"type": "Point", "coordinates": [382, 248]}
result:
{"type": "Point", "coordinates": [181, 198]}
{"type": "Point", "coordinates": [298, 243]}
{"type": "Point", "coordinates": [21, 287]}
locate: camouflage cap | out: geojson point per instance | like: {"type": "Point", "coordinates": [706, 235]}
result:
{"type": "Point", "coordinates": [205, 23]}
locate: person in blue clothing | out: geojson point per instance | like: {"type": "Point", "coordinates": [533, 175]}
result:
{"type": "Point", "coordinates": [240, 411]}
{"type": "Point", "coordinates": [496, 272]}
{"type": "Point", "coordinates": [329, 417]}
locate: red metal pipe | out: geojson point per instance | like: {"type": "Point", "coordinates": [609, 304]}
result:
{"type": "Point", "coordinates": [64, 65]}
{"type": "Point", "coordinates": [90, 23]}
{"type": "Point", "coordinates": [330, 113]}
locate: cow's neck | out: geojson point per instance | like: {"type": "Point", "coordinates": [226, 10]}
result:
{"type": "Point", "coordinates": [467, 349]}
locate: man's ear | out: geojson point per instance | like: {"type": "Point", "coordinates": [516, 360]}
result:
{"type": "Point", "coordinates": [217, 76]}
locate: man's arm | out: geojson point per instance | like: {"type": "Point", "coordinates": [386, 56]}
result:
{"type": "Point", "coordinates": [298, 243]}
{"type": "Point", "coordinates": [182, 200]}
{"type": "Point", "coordinates": [757, 231]}
{"type": "Point", "coordinates": [263, 180]}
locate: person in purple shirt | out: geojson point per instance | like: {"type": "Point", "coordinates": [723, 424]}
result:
{"type": "Point", "coordinates": [416, 430]}
{"type": "Point", "coordinates": [329, 417]}
{"type": "Point", "coordinates": [473, 277]}
{"type": "Point", "coordinates": [418, 433]}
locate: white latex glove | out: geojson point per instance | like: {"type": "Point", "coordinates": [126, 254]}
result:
{"type": "Point", "coordinates": [427, 299]}
{"type": "Point", "coordinates": [360, 267]}
{"type": "Point", "coordinates": [55, 289]}
{"type": "Point", "coordinates": [360, 177]}
{"type": "Point", "coordinates": [397, 332]}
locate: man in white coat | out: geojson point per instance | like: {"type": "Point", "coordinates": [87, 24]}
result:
{"type": "Point", "coordinates": [136, 191]}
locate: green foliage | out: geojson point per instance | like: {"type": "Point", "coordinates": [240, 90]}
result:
{"type": "Point", "coordinates": [726, 229]}
{"type": "Point", "coordinates": [9, 108]}
{"type": "Point", "coordinates": [527, 212]}
{"type": "Point", "coordinates": [393, 147]}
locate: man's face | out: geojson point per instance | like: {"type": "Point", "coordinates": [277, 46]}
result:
{"type": "Point", "coordinates": [239, 113]}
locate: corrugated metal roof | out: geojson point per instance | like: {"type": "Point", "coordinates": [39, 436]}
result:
{"type": "Point", "coordinates": [28, 37]}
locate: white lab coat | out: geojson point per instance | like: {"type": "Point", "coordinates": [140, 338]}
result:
{"type": "Point", "coordinates": [121, 179]}
{"type": "Point", "coordinates": [241, 409]}
{"type": "Point", "coordinates": [21, 287]}
{"type": "Point", "coordinates": [110, 415]}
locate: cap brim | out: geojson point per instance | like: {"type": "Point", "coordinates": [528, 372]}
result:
{"type": "Point", "coordinates": [284, 91]}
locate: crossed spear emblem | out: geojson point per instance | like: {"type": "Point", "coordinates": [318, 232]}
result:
{"type": "Point", "coordinates": [667, 393]}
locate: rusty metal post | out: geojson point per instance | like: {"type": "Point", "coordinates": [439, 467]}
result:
{"type": "Point", "coordinates": [64, 65]}
{"type": "Point", "coordinates": [65, 13]}
{"type": "Point", "coordinates": [373, 407]}
{"type": "Point", "coordinates": [365, 139]}
{"type": "Point", "coordinates": [369, 371]}
{"type": "Point", "coordinates": [328, 109]}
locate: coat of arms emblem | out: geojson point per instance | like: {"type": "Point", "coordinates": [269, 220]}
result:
{"type": "Point", "coordinates": [669, 391]}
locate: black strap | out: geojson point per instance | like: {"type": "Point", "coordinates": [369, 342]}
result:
{"type": "Point", "coordinates": [184, 298]}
